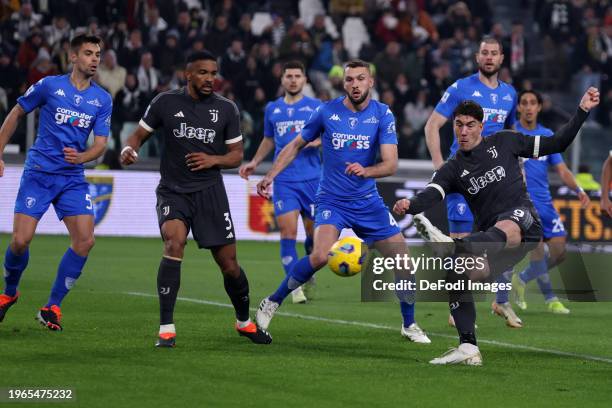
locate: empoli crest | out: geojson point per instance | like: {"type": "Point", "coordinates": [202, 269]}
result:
{"type": "Point", "coordinates": [101, 192]}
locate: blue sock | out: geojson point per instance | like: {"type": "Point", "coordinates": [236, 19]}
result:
{"type": "Point", "coordinates": [68, 272]}
{"type": "Point", "coordinates": [502, 295]}
{"type": "Point", "coordinates": [407, 310]}
{"type": "Point", "coordinates": [308, 243]}
{"type": "Point", "coordinates": [535, 269]}
{"type": "Point", "coordinates": [301, 272]}
{"type": "Point", "coordinates": [288, 254]}
{"type": "Point", "coordinates": [545, 286]}
{"type": "Point", "coordinates": [14, 265]}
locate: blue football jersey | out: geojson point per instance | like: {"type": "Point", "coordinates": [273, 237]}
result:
{"type": "Point", "coordinates": [536, 170]}
{"type": "Point", "coordinates": [499, 104]}
{"type": "Point", "coordinates": [349, 137]}
{"type": "Point", "coordinates": [284, 122]}
{"type": "Point", "coordinates": [67, 117]}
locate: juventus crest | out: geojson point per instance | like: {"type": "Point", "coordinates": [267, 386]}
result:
{"type": "Point", "coordinates": [214, 115]}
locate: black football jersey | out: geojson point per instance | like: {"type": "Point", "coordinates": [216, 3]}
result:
{"type": "Point", "coordinates": [489, 176]}
{"type": "Point", "coordinates": [191, 126]}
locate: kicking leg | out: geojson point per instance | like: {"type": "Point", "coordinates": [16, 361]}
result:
{"type": "Point", "coordinates": [287, 224]}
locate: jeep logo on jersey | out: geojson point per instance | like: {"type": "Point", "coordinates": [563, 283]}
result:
{"type": "Point", "coordinates": [478, 183]}
{"type": "Point", "coordinates": [214, 115]}
{"type": "Point", "coordinates": [74, 118]}
{"type": "Point", "coordinates": [190, 132]}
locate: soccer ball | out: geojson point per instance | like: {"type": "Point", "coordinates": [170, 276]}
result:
{"type": "Point", "coordinates": [346, 256]}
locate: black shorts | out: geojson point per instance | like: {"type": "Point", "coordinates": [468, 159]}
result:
{"type": "Point", "coordinates": [206, 213]}
{"type": "Point", "coordinates": [531, 232]}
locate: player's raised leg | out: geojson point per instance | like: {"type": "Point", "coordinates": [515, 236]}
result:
{"type": "Point", "coordinates": [174, 233]}
{"type": "Point", "coordinates": [16, 259]}
{"type": "Point", "coordinates": [237, 288]}
{"type": "Point", "coordinates": [324, 237]}
{"type": "Point", "coordinates": [81, 230]}
{"type": "Point", "coordinates": [390, 247]}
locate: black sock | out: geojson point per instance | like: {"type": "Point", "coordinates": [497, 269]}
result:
{"type": "Point", "coordinates": [463, 310]}
{"type": "Point", "coordinates": [168, 283]}
{"type": "Point", "coordinates": [490, 241]}
{"type": "Point", "coordinates": [238, 291]}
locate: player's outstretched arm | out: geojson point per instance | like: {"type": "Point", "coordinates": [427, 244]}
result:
{"type": "Point", "coordinates": [96, 150]}
{"type": "Point", "coordinates": [265, 147]}
{"type": "Point", "coordinates": [564, 137]}
{"type": "Point", "coordinates": [129, 153]}
{"type": "Point", "coordinates": [432, 138]}
{"type": "Point", "coordinates": [420, 202]}
{"type": "Point", "coordinates": [387, 166]}
{"type": "Point", "coordinates": [285, 157]}
{"type": "Point", "coordinates": [606, 178]}
{"type": "Point", "coordinates": [569, 180]}
{"type": "Point", "coordinates": [7, 130]}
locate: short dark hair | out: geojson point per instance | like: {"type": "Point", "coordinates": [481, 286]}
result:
{"type": "Point", "coordinates": [293, 64]}
{"type": "Point", "coordinates": [358, 63]}
{"type": "Point", "coordinates": [201, 56]}
{"type": "Point", "coordinates": [79, 40]}
{"type": "Point", "coordinates": [491, 40]}
{"type": "Point", "coordinates": [469, 108]}
{"type": "Point", "coordinates": [531, 91]}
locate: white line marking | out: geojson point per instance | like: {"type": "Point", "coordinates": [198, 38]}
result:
{"type": "Point", "coordinates": [385, 327]}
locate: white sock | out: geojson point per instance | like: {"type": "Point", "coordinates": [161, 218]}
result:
{"type": "Point", "coordinates": [167, 328]}
{"type": "Point", "coordinates": [242, 325]}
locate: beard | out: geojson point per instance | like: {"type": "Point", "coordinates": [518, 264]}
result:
{"type": "Point", "coordinates": [294, 93]}
{"type": "Point", "coordinates": [356, 102]}
{"type": "Point", "coordinates": [199, 93]}
{"type": "Point", "coordinates": [489, 74]}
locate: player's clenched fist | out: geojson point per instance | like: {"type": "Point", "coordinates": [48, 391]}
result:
{"type": "Point", "coordinates": [128, 156]}
{"type": "Point", "coordinates": [263, 187]}
{"type": "Point", "coordinates": [401, 206]}
{"type": "Point", "coordinates": [590, 99]}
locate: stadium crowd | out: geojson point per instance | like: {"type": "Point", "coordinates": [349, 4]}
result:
{"type": "Point", "coordinates": [418, 48]}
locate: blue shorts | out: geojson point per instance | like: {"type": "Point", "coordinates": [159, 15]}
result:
{"type": "Point", "coordinates": [369, 217]}
{"type": "Point", "coordinates": [291, 196]}
{"type": "Point", "coordinates": [552, 225]}
{"type": "Point", "coordinates": [68, 194]}
{"type": "Point", "coordinates": [460, 218]}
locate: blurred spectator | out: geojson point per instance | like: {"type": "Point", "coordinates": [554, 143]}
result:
{"type": "Point", "coordinates": [28, 50]}
{"type": "Point", "coordinates": [61, 56]}
{"type": "Point", "coordinates": [129, 57]}
{"type": "Point", "coordinates": [415, 26]}
{"type": "Point", "coordinates": [186, 30]}
{"type": "Point", "coordinates": [457, 16]}
{"type": "Point", "coordinates": [148, 76]}
{"type": "Point", "coordinates": [41, 67]}
{"type": "Point", "coordinates": [585, 179]}
{"type": "Point", "coordinates": [319, 32]}
{"type": "Point", "coordinates": [296, 45]}
{"type": "Point", "coordinates": [219, 37]}
{"type": "Point", "coordinates": [244, 31]}
{"type": "Point", "coordinates": [516, 53]}
{"type": "Point", "coordinates": [110, 75]}
{"type": "Point", "coordinates": [233, 63]}
{"type": "Point", "coordinates": [386, 27]}
{"type": "Point", "coordinates": [10, 78]}
{"type": "Point", "coordinates": [128, 106]}
{"type": "Point", "coordinates": [389, 64]}
{"type": "Point", "coordinates": [154, 26]}
{"type": "Point", "coordinates": [415, 116]}
{"type": "Point", "coordinates": [57, 30]}
{"type": "Point", "coordinates": [23, 21]}
{"type": "Point", "coordinates": [441, 80]}
{"type": "Point", "coordinates": [276, 31]}
{"type": "Point", "coordinates": [168, 55]}
{"type": "Point", "coordinates": [118, 36]}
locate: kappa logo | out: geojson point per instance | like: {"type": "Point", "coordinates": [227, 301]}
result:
{"type": "Point", "coordinates": [60, 92]}
{"type": "Point", "coordinates": [465, 173]}
{"type": "Point", "coordinates": [290, 111]}
{"type": "Point", "coordinates": [95, 102]}
{"type": "Point", "coordinates": [334, 117]}
{"type": "Point", "coordinates": [178, 114]}
{"type": "Point", "coordinates": [491, 176]}
{"type": "Point", "coordinates": [214, 115]}
{"type": "Point", "coordinates": [388, 112]}
{"type": "Point", "coordinates": [494, 98]}
{"type": "Point", "coordinates": [477, 94]}
{"type": "Point", "coordinates": [507, 97]}
{"type": "Point", "coordinates": [491, 150]}
{"type": "Point", "coordinates": [454, 85]}
{"type": "Point", "coordinates": [30, 202]}
{"type": "Point", "coordinates": [371, 119]}
{"type": "Point", "coordinates": [78, 99]}
{"type": "Point", "coordinates": [276, 110]}
{"type": "Point", "coordinates": [353, 122]}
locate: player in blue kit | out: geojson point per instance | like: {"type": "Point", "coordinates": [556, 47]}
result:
{"type": "Point", "coordinates": [536, 174]}
{"type": "Point", "coordinates": [296, 186]}
{"type": "Point", "coordinates": [71, 107]}
{"type": "Point", "coordinates": [353, 128]}
{"type": "Point", "coordinates": [498, 101]}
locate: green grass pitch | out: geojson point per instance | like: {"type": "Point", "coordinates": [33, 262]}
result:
{"type": "Point", "coordinates": [349, 354]}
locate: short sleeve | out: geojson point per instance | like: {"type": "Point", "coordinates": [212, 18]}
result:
{"type": "Point", "coordinates": [268, 125]}
{"type": "Point", "coordinates": [314, 125]}
{"type": "Point", "coordinates": [386, 128]}
{"type": "Point", "coordinates": [152, 117]}
{"type": "Point", "coordinates": [102, 124]}
{"type": "Point", "coordinates": [35, 96]}
{"type": "Point", "coordinates": [232, 128]}
{"type": "Point", "coordinates": [449, 101]}
{"type": "Point", "coordinates": [554, 159]}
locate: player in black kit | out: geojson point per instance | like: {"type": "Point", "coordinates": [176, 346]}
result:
{"type": "Point", "coordinates": [486, 172]}
{"type": "Point", "coordinates": [201, 131]}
